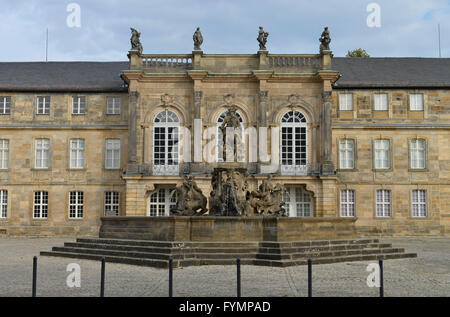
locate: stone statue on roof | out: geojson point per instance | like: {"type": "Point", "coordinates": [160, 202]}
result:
{"type": "Point", "coordinates": [198, 40]}
{"type": "Point", "coordinates": [325, 40]}
{"type": "Point", "coordinates": [135, 40]}
{"type": "Point", "coordinates": [262, 39]}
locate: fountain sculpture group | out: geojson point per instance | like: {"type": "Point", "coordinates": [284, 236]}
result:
{"type": "Point", "coordinates": [230, 195]}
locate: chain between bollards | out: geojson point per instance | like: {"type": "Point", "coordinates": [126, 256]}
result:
{"type": "Point", "coordinates": [381, 278]}
{"type": "Point", "coordinates": [102, 279]}
{"type": "Point", "coordinates": [170, 277]}
{"type": "Point", "coordinates": [33, 292]}
{"type": "Point", "coordinates": [238, 268]}
{"type": "Point", "coordinates": [309, 278]}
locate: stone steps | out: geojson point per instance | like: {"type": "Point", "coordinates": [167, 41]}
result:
{"type": "Point", "coordinates": [280, 254]}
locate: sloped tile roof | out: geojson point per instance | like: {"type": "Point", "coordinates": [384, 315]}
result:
{"type": "Point", "coordinates": [392, 72]}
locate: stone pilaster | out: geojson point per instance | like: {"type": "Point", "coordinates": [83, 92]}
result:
{"type": "Point", "coordinates": [132, 128]}
{"type": "Point", "coordinates": [262, 109]}
{"type": "Point", "coordinates": [327, 164]}
{"type": "Point", "coordinates": [198, 95]}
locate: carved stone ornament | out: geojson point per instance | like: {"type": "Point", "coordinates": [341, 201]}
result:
{"type": "Point", "coordinates": [293, 99]}
{"type": "Point", "coordinates": [166, 99]}
{"type": "Point", "coordinates": [229, 99]}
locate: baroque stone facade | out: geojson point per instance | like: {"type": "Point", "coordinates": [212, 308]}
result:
{"type": "Point", "coordinates": [376, 150]}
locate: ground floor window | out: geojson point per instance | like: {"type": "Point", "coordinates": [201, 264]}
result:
{"type": "Point", "coordinates": [111, 204]}
{"type": "Point", "coordinates": [76, 201]}
{"type": "Point", "coordinates": [347, 203]}
{"type": "Point", "coordinates": [298, 202]}
{"type": "Point", "coordinates": [40, 207]}
{"type": "Point", "coordinates": [419, 203]}
{"type": "Point", "coordinates": [3, 203]}
{"type": "Point", "coordinates": [161, 202]}
{"type": "Point", "coordinates": [383, 203]}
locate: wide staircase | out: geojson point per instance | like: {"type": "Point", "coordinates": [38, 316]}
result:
{"type": "Point", "coordinates": [280, 254]}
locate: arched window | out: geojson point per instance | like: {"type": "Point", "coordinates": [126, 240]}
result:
{"type": "Point", "coordinates": [293, 143]}
{"type": "Point", "coordinates": [166, 130]}
{"type": "Point", "coordinates": [161, 202]}
{"type": "Point", "coordinates": [219, 140]}
{"type": "Point", "coordinates": [298, 202]}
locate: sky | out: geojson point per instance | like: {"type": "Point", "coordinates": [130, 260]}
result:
{"type": "Point", "coordinates": [406, 28]}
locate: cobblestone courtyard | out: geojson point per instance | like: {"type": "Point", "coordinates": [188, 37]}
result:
{"type": "Point", "coordinates": [426, 275]}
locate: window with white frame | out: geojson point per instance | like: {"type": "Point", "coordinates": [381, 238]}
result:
{"type": "Point", "coordinates": [112, 203]}
{"type": "Point", "coordinates": [347, 154]}
{"type": "Point", "coordinates": [419, 203]}
{"type": "Point", "coordinates": [77, 153]}
{"type": "Point", "coordinates": [347, 203]}
{"type": "Point", "coordinates": [43, 105]}
{"type": "Point", "coordinates": [382, 154]}
{"type": "Point", "coordinates": [3, 204]}
{"type": "Point", "coordinates": [5, 105]}
{"type": "Point", "coordinates": [161, 202]}
{"type": "Point", "coordinates": [4, 154]}
{"type": "Point", "coordinates": [166, 131]}
{"type": "Point", "coordinates": [417, 154]}
{"type": "Point", "coordinates": [416, 102]}
{"type": "Point", "coordinates": [240, 137]}
{"type": "Point", "coordinates": [42, 153]}
{"type": "Point", "coordinates": [297, 202]}
{"type": "Point", "coordinates": [380, 102]}
{"type": "Point", "coordinates": [112, 154]}
{"type": "Point", "coordinates": [294, 143]}
{"type": "Point", "coordinates": [383, 203]}
{"type": "Point", "coordinates": [78, 105]}
{"type": "Point", "coordinates": [76, 201]}
{"type": "Point", "coordinates": [40, 206]}
{"type": "Point", "coordinates": [345, 102]}
{"type": "Point", "coordinates": [113, 105]}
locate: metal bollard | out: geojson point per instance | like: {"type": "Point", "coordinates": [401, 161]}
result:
{"type": "Point", "coordinates": [381, 278]}
{"type": "Point", "coordinates": [102, 279]}
{"type": "Point", "coordinates": [170, 277]}
{"type": "Point", "coordinates": [309, 278]}
{"type": "Point", "coordinates": [238, 267]}
{"type": "Point", "coordinates": [33, 292]}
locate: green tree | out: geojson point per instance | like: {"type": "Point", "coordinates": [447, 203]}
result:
{"type": "Point", "coordinates": [357, 53]}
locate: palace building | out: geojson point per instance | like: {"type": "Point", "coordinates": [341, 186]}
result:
{"type": "Point", "coordinates": [364, 138]}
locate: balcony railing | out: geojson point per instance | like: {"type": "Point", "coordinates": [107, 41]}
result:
{"type": "Point", "coordinates": [294, 62]}
{"type": "Point", "coordinates": [164, 63]}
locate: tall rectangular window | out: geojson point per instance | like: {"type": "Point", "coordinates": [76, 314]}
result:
{"type": "Point", "coordinates": [79, 105]}
{"type": "Point", "coordinates": [4, 154]}
{"type": "Point", "coordinates": [112, 154]}
{"type": "Point", "coordinates": [416, 102]}
{"type": "Point", "coordinates": [419, 203]}
{"type": "Point", "coordinates": [347, 203]}
{"type": "Point", "coordinates": [383, 203]}
{"type": "Point", "coordinates": [382, 154]}
{"type": "Point", "coordinates": [345, 102]}
{"type": "Point", "coordinates": [77, 153]}
{"type": "Point", "coordinates": [40, 207]}
{"type": "Point", "coordinates": [417, 154]}
{"type": "Point", "coordinates": [113, 105]}
{"type": "Point", "coordinates": [76, 201]}
{"type": "Point", "coordinates": [5, 105]}
{"type": "Point", "coordinates": [347, 154]}
{"type": "Point", "coordinates": [380, 102]}
{"type": "Point", "coordinates": [3, 203]}
{"type": "Point", "coordinates": [111, 204]}
{"type": "Point", "coordinates": [43, 105]}
{"type": "Point", "coordinates": [42, 153]}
